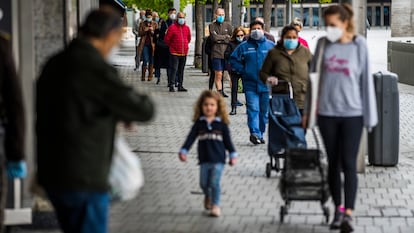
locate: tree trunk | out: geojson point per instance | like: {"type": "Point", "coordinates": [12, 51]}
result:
{"type": "Point", "coordinates": [267, 13]}
{"type": "Point", "coordinates": [215, 6]}
{"type": "Point", "coordinates": [199, 34]}
{"type": "Point", "coordinates": [226, 6]}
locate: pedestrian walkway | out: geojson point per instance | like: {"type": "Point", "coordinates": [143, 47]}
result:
{"type": "Point", "coordinates": [171, 199]}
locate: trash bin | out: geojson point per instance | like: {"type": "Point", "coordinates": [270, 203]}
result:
{"type": "Point", "coordinates": [383, 141]}
{"type": "Point", "coordinates": [204, 56]}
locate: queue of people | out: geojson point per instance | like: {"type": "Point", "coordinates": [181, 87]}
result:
{"type": "Point", "coordinates": [162, 44]}
{"type": "Point", "coordinates": [90, 99]}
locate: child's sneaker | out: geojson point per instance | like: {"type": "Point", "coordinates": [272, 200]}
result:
{"type": "Point", "coordinates": [215, 211]}
{"type": "Point", "coordinates": [207, 203]}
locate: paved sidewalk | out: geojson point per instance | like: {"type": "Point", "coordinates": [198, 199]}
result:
{"type": "Point", "coordinates": [171, 200]}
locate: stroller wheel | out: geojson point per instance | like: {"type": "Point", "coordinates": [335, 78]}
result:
{"type": "Point", "coordinates": [268, 170]}
{"type": "Point", "coordinates": [277, 164]}
{"type": "Point", "coordinates": [283, 212]}
{"type": "Point", "coordinates": [326, 214]}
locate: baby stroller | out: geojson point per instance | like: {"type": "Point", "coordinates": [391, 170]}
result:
{"type": "Point", "coordinates": [285, 125]}
{"type": "Point", "coordinates": [304, 178]}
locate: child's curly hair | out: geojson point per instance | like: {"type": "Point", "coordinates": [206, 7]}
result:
{"type": "Point", "coordinates": [221, 106]}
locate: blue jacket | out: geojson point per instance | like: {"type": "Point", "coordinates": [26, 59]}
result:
{"type": "Point", "coordinates": [247, 59]}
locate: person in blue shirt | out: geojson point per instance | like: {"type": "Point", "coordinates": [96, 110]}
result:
{"type": "Point", "coordinates": [211, 128]}
{"type": "Point", "coordinates": [247, 60]}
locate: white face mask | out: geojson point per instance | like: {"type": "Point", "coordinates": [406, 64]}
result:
{"type": "Point", "coordinates": [256, 34]}
{"type": "Point", "coordinates": [333, 34]}
{"type": "Point", "coordinates": [173, 16]}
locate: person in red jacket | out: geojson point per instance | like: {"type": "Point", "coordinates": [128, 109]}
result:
{"type": "Point", "coordinates": [177, 38]}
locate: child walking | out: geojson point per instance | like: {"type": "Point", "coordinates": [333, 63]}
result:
{"type": "Point", "coordinates": [211, 127]}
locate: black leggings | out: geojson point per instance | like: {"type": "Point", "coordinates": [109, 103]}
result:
{"type": "Point", "coordinates": [342, 136]}
{"type": "Point", "coordinates": [234, 88]}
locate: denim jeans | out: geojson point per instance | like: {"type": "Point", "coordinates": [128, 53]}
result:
{"type": "Point", "coordinates": [147, 58]}
{"type": "Point", "coordinates": [176, 68]}
{"type": "Point", "coordinates": [81, 212]}
{"type": "Point", "coordinates": [210, 176]}
{"type": "Point", "coordinates": [257, 110]}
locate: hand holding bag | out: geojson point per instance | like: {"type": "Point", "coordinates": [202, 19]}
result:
{"type": "Point", "coordinates": [126, 176]}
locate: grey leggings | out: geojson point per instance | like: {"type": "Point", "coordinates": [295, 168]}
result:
{"type": "Point", "coordinates": [342, 136]}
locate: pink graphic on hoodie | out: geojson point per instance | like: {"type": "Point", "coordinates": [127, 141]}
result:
{"type": "Point", "coordinates": [337, 65]}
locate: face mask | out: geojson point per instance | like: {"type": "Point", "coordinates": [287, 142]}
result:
{"type": "Point", "coordinates": [143, 17]}
{"type": "Point", "coordinates": [290, 44]}
{"type": "Point", "coordinates": [239, 39]}
{"type": "Point", "coordinates": [173, 16]}
{"type": "Point", "coordinates": [220, 18]}
{"type": "Point", "coordinates": [157, 19]}
{"type": "Point", "coordinates": [148, 19]}
{"type": "Point", "coordinates": [181, 21]}
{"type": "Point", "coordinates": [257, 34]}
{"type": "Point", "coordinates": [333, 34]}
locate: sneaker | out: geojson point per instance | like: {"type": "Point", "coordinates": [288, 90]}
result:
{"type": "Point", "coordinates": [215, 211]}
{"type": "Point", "coordinates": [172, 89]}
{"type": "Point", "coordinates": [254, 139]}
{"type": "Point", "coordinates": [337, 220]}
{"type": "Point", "coordinates": [262, 141]}
{"type": "Point", "coordinates": [207, 203]}
{"type": "Point", "coordinates": [346, 225]}
{"type": "Point", "coordinates": [182, 89]}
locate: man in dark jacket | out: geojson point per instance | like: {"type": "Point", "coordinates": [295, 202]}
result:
{"type": "Point", "coordinates": [80, 98]}
{"type": "Point", "coordinates": [12, 122]}
{"type": "Point", "coordinates": [220, 34]}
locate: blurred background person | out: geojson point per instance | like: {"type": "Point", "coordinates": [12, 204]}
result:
{"type": "Point", "coordinates": [135, 30]}
{"type": "Point", "coordinates": [146, 45]}
{"type": "Point", "coordinates": [177, 38]}
{"type": "Point", "coordinates": [236, 39]}
{"type": "Point", "coordinates": [162, 52]}
{"type": "Point", "coordinates": [80, 99]}
{"type": "Point", "coordinates": [247, 59]}
{"type": "Point", "coordinates": [288, 61]}
{"type": "Point", "coordinates": [220, 34]}
{"type": "Point", "coordinates": [298, 24]}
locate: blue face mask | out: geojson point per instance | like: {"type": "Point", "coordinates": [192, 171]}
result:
{"type": "Point", "coordinates": [290, 44]}
{"type": "Point", "coordinates": [181, 21]}
{"type": "Point", "coordinates": [239, 39]}
{"type": "Point", "coordinates": [149, 19]}
{"type": "Point", "coordinates": [220, 18]}
{"type": "Point", "coordinates": [157, 19]}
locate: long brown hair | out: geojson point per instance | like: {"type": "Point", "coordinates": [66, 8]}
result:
{"type": "Point", "coordinates": [221, 106]}
{"type": "Point", "coordinates": [237, 30]}
{"type": "Point", "coordinates": [345, 12]}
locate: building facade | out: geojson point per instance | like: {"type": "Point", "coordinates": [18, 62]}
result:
{"type": "Point", "coordinates": [310, 11]}
{"type": "Point", "coordinates": [402, 18]}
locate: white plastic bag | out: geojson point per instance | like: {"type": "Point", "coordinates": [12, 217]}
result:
{"type": "Point", "coordinates": [126, 176]}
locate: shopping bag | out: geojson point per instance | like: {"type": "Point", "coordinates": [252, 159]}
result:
{"type": "Point", "coordinates": [126, 176]}
{"type": "Point", "coordinates": [313, 95]}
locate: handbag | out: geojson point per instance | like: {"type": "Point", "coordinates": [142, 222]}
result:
{"type": "Point", "coordinates": [314, 88]}
{"type": "Point", "coordinates": [126, 176]}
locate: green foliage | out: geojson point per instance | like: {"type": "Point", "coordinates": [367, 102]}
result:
{"type": "Point", "coordinates": [160, 6]}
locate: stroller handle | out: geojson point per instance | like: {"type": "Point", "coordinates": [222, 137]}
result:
{"type": "Point", "coordinates": [281, 82]}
